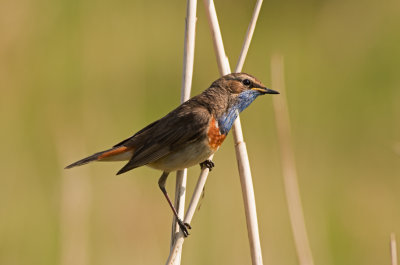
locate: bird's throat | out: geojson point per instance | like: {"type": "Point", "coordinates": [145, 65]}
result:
{"type": "Point", "coordinates": [228, 118]}
{"type": "Point", "coordinates": [226, 121]}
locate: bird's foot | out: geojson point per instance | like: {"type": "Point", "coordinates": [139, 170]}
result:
{"type": "Point", "coordinates": [207, 164]}
{"type": "Point", "coordinates": [184, 227]}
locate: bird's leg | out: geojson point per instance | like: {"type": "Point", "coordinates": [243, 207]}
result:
{"type": "Point", "coordinates": [161, 184]}
{"type": "Point", "coordinates": [207, 164]}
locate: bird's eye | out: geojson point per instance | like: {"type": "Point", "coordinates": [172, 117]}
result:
{"type": "Point", "coordinates": [246, 82]}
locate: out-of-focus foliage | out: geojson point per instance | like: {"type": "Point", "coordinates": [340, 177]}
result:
{"type": "Point", "coordinates": [79, 76]}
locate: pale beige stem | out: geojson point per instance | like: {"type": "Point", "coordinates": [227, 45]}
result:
{"type": "Point", "coordinates": [244, 167]}
{"type": "Point", "coordinates": [240, 146]}
{"type": "Point", "coordinates": [243, 159]}
{"type": "Point", "coordinates": [179, 203]}
{"type": "Point", "coordinates": [75, 207]}
{"type": "Point", "coordinates": [177, 248]}
{"type": "Point", "coordinates": [249, 36]}
{"type": "Point", "coordinates": [393, 249]}
{"type": "Point", "coordinates": [188, 60]}
{"type": "Point", "coordinates": [288, 164]}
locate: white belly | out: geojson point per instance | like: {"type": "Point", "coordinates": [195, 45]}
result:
{"type": "Point", "coordinates": [184, 158]}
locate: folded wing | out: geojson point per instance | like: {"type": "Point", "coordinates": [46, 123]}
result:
{"type": "Point", "coordinates": [180, 127]}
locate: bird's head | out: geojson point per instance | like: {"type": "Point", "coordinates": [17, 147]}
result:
{"type": "Point", "coordinates": [239, 83]}
{"type": "Point", "coordinates": [241, 89]}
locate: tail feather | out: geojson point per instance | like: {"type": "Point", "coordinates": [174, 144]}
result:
{"type": "Point", "coordinates": [113, 154]}
{"type": "Point", "coordinates": [85, 160]}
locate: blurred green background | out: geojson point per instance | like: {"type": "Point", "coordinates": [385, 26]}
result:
{"type": "Point", "coordinates": [79, 76]}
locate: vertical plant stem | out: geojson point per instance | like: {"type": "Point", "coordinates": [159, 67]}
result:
{"type": "Point", "coordinates": [244, 167]}
{"type": "Point", "coordinates": [75, 207]}
{"type": "Point", "coordinates": [393, 249]}
{"type": "Point", "coordinates": [179, 203]}
{"type": "Point", "coordinates": [177, 247]}
{"type": "Point", "coordinates": [188, 59]}
{"type": "Point", "coordinates": [249, 36]}
{"type": "Point", "coordinates": [223, 64]}
{"type": "Point", "coordinates": [240, 146]}
{"type": "Point", "coordinates": [243, 159]}
{"type": "Point", "coordinates": [288, 164]}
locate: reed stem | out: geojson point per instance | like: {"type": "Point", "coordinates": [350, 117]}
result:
{"type": "Point", "coordinates": [288, 164]}
{"type": "Point", "coordinates": [75, 206]}
{"type": "Point", "coordinates": [240, 146]}
{"type": "Point", "coordinates": [393, 249]}
{"type": "Point", "coordinates": [242, 158]}
{"type": "Point", "coordinates": [188, 61]}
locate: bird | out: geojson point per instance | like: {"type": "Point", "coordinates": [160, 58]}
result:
{"type": "Point", "coordinates": [189, 134]}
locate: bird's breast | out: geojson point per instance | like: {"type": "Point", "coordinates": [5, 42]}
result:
{"type": "Point", "coordinates": [215, 138]}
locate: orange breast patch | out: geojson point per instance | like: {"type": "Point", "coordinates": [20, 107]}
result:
{"type": "Point", "coordinates": [215, 138]}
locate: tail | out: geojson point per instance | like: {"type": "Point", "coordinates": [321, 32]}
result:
{"type": "Point", "coordinates": [117, 153]}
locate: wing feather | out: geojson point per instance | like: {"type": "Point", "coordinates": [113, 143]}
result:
{"type": "Point", "coordinates": [182, 126]}
{"type": "Point", "coordinates": [130, 142]}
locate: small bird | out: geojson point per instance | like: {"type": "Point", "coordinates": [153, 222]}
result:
{"type": "Point", "coordinates": [189, 134]}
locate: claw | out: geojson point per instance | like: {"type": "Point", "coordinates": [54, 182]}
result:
{"type": "Point", "coordinates": [184, 227]}
{"type": "Point", "coordinates": [207, 164]}
{"type": "Point", "coordinates": [187, 225]}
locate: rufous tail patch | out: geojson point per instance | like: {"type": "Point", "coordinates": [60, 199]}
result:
{"type": "Point", "coordinates": [113, 152]}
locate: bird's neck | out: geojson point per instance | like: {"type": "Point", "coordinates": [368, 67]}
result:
{"type": "Point", "coordinates": [227, 119]}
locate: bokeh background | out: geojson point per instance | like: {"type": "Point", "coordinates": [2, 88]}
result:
{"type": "Point", "coordinates": [77, 76]}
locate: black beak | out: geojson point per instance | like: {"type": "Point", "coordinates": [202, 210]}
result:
{"type": "Point", "coordinates": [270, 91]}
{"type": "Point", "coordinates": [265, 90]}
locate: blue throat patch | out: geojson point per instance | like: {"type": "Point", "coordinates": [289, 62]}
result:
{"type": "Point", "coordinates": [244, 100]}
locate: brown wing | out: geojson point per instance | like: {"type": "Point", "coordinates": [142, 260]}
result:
{"type": "Point", "coordinates": [134, 140]}
{"type": "Point", "coordinates": [182, 126]}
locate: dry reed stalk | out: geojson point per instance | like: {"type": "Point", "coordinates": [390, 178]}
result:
{"type": "Point", "coordinates": [243, 159]}
{"type": "Point", "coordinates": [75, 207]}
{"type": "Point", "coordinates": [393, 249]}
{"type": "Point", "coordinates": [249, 36]}
{"type": "Point", "coordinates": [244, 167]}
{"type": "Point", "coordinates": [201, 182]}
{"type": "Point", "coordinates": [240, 146]}
{"type": "Point", "coordinates": [179, 203]}
{"type": "Point", "coordinates": [188, 60]}
{"type": "Point", "coordinates": [288, 164]}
